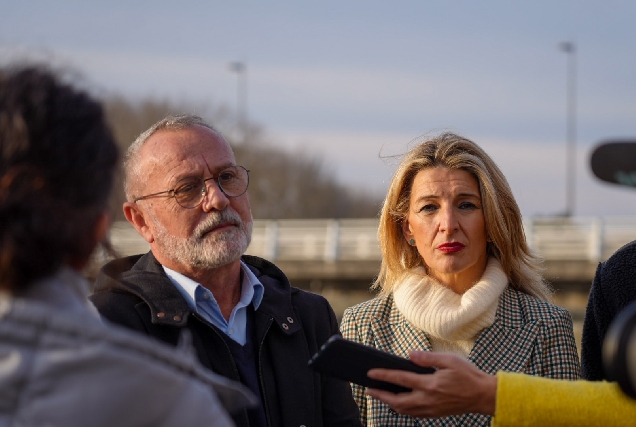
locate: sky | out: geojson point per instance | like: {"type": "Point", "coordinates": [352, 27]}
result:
{"type": "Point", "coordinates": [356, 82]}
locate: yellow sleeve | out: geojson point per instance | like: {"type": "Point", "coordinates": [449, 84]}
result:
{"type": "Point", "coordinates": [525, 400]}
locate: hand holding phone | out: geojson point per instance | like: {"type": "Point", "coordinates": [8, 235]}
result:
{"type": "Point", "coordinates": [350, 361]}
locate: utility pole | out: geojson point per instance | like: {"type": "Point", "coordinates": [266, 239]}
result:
{"type": "Point", "coordinates": [241, 100]}
{"type": "Point", "coordinates": [570, 49]}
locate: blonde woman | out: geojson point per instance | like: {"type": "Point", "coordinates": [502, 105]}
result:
{"type": "Point", "coordinates": [457, 276]}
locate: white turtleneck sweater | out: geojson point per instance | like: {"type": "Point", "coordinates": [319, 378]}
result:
{"type": "Point", "coordinates": [452, 321]}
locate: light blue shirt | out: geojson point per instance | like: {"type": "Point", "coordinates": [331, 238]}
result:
{"type": "Point", "coordinates": [203, 302]}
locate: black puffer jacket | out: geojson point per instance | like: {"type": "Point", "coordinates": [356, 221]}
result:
{"type": "Point", "coordinates": [614, 287]}
{"type": "Point", "coordinates": [290, 326]}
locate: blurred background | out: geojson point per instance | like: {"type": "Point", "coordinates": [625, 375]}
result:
{"type": "Point", "coordinates": [319, 99]}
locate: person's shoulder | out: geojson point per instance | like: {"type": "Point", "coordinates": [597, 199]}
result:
{"type": "Point", "coordinates": [275, 281]}
{"type": "Point", "coordinates": [96, 352]}
{"type": "Point", "coordinates": [357, 321]}
{"type": "Point", "coordinates": [533, 308]}
{"type": "Point", "coordinates": [267, 273]}
{"type": "Point", "coordinates": [614, 284]}
{"type": "Point", "coordinates": [621, 263]}
{"type": "Point", "coordinates": [114, 299]}
{"type": "Point", "coordinates": [123, 274]}
{"type": "Point", "coordinates": [301, 297]}
{"type": "Point", "coordinates": [85, 330]}
{"type": "Point", "coordinates": [127, 281]}
{"type": "Point", "coordinates": [377, 307]}
{"type": "Point", "coordinates": [627, 251]}
{"type": "Point", "coordinates": [118, 292]}
{"type": "Point", "coordinates": [114, 341]}
{"type": "Point", "coordinates": [262, 267]}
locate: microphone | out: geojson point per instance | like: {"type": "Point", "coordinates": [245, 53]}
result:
{"type": "Point", "coordinates": [614, 161]}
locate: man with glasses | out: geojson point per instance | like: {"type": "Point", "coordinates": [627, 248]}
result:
{"type": "Point", "coordinates": [188, 198]}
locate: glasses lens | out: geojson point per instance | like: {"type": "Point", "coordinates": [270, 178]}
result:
{"type": "Point", "coordinates": [234, 181]}
{"type": "Point", "coordinates": [189, 192]}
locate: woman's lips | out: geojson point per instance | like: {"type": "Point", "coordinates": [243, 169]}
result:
{"type": "Point", "coordinates": [451, 247]}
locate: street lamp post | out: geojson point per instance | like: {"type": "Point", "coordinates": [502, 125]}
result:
{"type": "Point", "coordinates": [241, 100]}
{"type": "Point", "coordinates": [570, 49]}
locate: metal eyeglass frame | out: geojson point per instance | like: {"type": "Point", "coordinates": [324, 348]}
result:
{"type": "Point", "coordinates": [204, 189]}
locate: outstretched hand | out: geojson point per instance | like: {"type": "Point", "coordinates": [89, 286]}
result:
{"type": "Point", "coordinates": [457, 387]}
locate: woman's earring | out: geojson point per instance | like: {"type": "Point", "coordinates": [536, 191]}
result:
{"type": "Point", "coordinates": [412, 242]}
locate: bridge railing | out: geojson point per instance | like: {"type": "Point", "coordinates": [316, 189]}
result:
{"type": "Point", "coordinates": [589, 239]}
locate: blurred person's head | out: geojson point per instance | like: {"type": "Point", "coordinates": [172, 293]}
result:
{"type": "Point", "coordinates": [448, 209]}
{"type": "Point", "coordinates": [187, 196]}
{"type": "Point", "coordinates": [57, 163]}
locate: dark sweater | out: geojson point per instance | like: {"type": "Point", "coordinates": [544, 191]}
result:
{"type": "Point", "coordinates": [614, 287]}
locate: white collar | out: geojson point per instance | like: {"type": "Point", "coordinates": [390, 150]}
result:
{"type": "Point", "coordinates": [442, 313]}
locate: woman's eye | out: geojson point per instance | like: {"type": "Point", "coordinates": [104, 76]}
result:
{"type": "Point", "coordinates": [428, 208]}
{"type": "Point", "coordinates": [467, 206]}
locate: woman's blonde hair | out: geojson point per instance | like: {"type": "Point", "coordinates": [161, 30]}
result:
{"type": "Point", "coordinates": [504, 226]}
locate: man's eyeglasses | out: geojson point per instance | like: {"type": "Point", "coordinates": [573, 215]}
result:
{"type": "Point", "coordinates": [189, 192]}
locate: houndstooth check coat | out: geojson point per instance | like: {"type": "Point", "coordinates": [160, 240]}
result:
{"type": "Point", "coordinates": [528, 335]}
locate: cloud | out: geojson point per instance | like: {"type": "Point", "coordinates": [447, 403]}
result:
{"type": "Point", "coordinates": [536, 171]}
{"type": "Point", "coordinates": [350, 113]}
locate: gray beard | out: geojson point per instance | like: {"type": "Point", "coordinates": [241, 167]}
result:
{"type": "Point", "coordinates": [207, 251]}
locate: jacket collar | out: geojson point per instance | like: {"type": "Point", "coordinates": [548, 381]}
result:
{"type": "Point", "coordinates": [143, 276]}
{"type": "Point", "coordinates": [397, 335]}
{"type": "Point", "coordinates": [508, 344]}
{"type": "Point", "coordinates": [276, 302]}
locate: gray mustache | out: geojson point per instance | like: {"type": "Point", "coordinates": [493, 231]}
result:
{"type": "Point", "coordinates": [215, 219]}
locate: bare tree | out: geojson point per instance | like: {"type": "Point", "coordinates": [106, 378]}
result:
{"type": "Point", "coordinates": [282, 184]}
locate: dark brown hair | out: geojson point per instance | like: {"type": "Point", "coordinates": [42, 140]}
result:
{"type": "Point", "coordinates": [57, 162]}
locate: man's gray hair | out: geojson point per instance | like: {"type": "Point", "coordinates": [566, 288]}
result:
{"type": "Point", "coordinates": [131, 159]}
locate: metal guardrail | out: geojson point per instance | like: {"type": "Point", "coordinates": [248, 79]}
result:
{"type": "Point", "coordinates": [590, 239]}
{"type": "Point", "coordinates": [593, 238]}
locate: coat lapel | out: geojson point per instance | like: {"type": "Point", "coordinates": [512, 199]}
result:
{"type": "Point", "coordinates": [508, 343]}
{"type": "Point", "coordinates": [393, 333]}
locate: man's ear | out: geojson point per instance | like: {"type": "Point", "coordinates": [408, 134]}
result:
{"type": "Point", "coordinates": [137, 218]}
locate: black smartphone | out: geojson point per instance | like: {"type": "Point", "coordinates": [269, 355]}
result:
{"type": "Point", "coordinates": [350, 361]}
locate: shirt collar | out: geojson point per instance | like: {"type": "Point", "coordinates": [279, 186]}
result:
{"type": "Point", "coordinates": [251, 288]}
{"type": "Point", "coordinates": [250, 281]}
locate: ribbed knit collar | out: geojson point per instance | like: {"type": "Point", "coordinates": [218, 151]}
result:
{"type": "Point", "coordinates": [442, 313]}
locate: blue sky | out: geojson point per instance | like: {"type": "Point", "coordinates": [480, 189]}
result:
{"type": "Point", "coordinates": [349, 80]}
